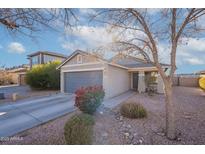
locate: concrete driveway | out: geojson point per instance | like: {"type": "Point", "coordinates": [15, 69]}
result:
{"type": "Point", "coordinates": [26, 114]}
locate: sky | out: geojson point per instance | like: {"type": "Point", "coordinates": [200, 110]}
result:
{"type": "Point", "coordinates": [87, 36]}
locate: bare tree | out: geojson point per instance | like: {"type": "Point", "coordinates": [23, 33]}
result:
{"type": "Point", "coordinates": [27, 21]}
{"type": "Point", "coordinates": [147, 31]}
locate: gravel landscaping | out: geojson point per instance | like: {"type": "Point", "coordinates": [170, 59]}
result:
{"type": "Point", "coordinates": [50, 133]}
{"type": "Point", "coordinates": [190, 120]}
{"type": "Point", "coordinates": [111, 128]}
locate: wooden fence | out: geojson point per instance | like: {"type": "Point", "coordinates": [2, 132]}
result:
{"type": "Point", "coordinates": [186, 81]}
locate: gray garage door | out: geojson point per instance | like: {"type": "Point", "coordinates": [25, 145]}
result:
{"type": "Point", "coordinates": [75, 80]}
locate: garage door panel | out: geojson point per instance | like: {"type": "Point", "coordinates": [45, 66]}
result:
{"type": "Point", "coordinates": [75, 80]}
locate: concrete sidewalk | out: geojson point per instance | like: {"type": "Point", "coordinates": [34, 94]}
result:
{"type": "Point", "coordinates": [115, 101]}
{"type": "Point", "coordinates": [18, 117]}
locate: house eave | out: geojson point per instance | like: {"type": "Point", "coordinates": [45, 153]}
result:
{"type": "Point", "coordinates": [117, 65]}
{"type": "Point", "coordinates": [142, 69]}
{"type": "Point", "coordinates": [46, 53]}
{"type": "Point", "coordinates": [152, 68]}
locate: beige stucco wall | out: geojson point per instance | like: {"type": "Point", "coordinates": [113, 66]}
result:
{"type": "Point", "coordinates": [62, 81]}
{"type": "Point", "coordinates": [115, 81]}
{"type": "Point", "coordinates": [160, 85]}
{"type": "Point", "coordinates": [141, 82]}
{"type": "Point", "coordinates": [85, 59]}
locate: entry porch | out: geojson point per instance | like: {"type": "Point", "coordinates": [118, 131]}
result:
{"type": "Point", "coordinates": [141, 80]}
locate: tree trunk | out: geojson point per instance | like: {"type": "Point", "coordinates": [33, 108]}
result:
{"type": "Point", "coordinates": [170, 112]}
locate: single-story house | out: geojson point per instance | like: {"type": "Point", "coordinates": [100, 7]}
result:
{"type": "Point", "coordinates": [117, 75]}
{"type": "Point", "coordinates": [19, 75]}
{"type": "Point", "coordinates": [16, 74]}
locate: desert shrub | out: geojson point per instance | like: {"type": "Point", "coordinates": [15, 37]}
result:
{"type": "Point", "coordinates": [133, 110]}
{"type": "Point", "coordinates": [44, 76]}
{"type": "Point", "coordinates": [202, 82]}
{"type": "Point", "coordinates": [79, 129]}
{"type": "Point", "coordinates": [89, 99]}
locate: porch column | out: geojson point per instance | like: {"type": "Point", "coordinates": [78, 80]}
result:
{"type": "Point", "coordinates": [106, 81]}
{"type": "Point", "coordinates": [160, 84]}
{"type": "Point", "coordinates": [131, 80]}
{"type": "Point", "coordinates": [141, 82]}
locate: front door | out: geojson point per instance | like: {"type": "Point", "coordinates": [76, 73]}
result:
{"type": "Point", "coordinates": [135, 81]}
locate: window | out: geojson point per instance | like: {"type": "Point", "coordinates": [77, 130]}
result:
{"type": "Point", "coordinates": [48, 58]}
{"type": "Point", "coordinates": [35, 60]}
{"type": "Point", "coordinates": [79, 59]}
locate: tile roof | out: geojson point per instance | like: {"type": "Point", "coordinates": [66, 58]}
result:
{"type": "Point", "coordinates": [143, 63]}
{"type": "Point", "coordinates": [138, 65]}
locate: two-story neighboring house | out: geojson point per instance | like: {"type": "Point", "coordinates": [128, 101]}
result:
{"type": "Point", "coordinates": [42, 57]}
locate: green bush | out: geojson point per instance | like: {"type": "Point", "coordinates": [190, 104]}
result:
{"type": "Point", "coordinates": [133, 110]}
{"type": "Point", "coordinates": [89, 99]}
{"type": "Point", "coordinates": [44, 76]}
{"type": "Point", "coordinates": [79, 129]}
